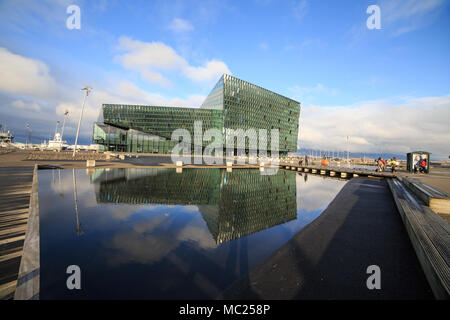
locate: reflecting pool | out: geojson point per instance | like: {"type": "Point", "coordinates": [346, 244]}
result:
{"type": "Point", "coordinates": [153, 233]}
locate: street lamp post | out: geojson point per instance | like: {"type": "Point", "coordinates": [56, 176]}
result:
{"type": "Point", "coordinates": [28, 135]}
{"type": "Point", "coordinates": [56, 129]}
{"type": "Point", "coordinates": [348, 160]}
{"type": "Point", "coordinates": [87, 89]}
{"type": "Point", "coordinates": [66, 113]}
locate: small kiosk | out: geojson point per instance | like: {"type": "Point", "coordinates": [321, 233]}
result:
{"type": "Point", "coordinates": [415, 159]}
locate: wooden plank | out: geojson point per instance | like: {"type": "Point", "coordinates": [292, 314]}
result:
{"type": "Point", "coordinates": [23, 210]}
{"type": "Point", "coordinates": [11, 240]}
{"type": "Point", "coordinates": [437, 200]}
{"type": "Point", "coordinates": [440, 205]}
{"type": "Point", "coordinates": [13, 217]}
{"type": "Point", "coordinates": [12, 223]}
{"type": "Point", "coordinates": [10, 256]}
{"type": "Point", "coordinates": [15, 189]}
{"type": "Point", "coordinates": [18, 229]}
{"type": "Point", "coordinates": [7, 290]}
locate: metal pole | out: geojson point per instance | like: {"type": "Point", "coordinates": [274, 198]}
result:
{"type": "Point", "coordinates": [28, 135]}
{"type": "Point", "coordinates": [64, 123]}
{"type": "Point", "coordinates": [87, 88]}
{"type": "Point", "coordinates": [56, 129]}
{"type": "Point", "coordinates": [26, 139]}
{"type": "Point", "coordinates": [78, 229]}
{"type": "Point", "coordinates": [347, 152]}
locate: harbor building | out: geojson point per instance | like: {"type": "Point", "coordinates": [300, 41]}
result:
{"type": "Point", "coordinates": [233, 104]}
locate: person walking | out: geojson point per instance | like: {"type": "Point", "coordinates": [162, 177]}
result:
{"type": "Point", "coordinates": [378, 169]}
{"type": "Point", "coordinates": [383, 164]}
{"type": "Point", "coordinates": [423, 166]}
{"type": "Point", "coordinates": [394, 164]}
{"type": "Point", "coordinates": [417, 164]}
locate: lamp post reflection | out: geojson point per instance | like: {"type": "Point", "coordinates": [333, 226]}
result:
{"type": "Point", "coordinates": [61, 194]}
{"type": "Point", "coordinates": [78, 229]}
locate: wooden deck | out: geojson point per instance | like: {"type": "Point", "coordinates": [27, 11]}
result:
{"type": "Point", "coordinates": [15, 190]}
{"type": "Point", "coordinates": [429, 234]}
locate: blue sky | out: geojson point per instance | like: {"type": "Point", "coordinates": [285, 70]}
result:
{"type": "Point", "coordinates": [387, 89]}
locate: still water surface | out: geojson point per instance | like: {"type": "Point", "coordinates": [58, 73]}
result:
{"type": "Point", "coordinates": [157, 234]}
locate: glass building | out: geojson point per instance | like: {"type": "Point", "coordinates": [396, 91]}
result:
{"type": "Point", "coordinates": [233, 104]}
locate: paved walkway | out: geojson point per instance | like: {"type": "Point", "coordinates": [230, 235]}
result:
{"type": "Point", "coordinates": [328, 258]}
{"type": "Point", "coordinates": [19, 158]}
{"type": "Point", "coordinates": [15, 189]}
{"type": "Point", "coordinates": [439, 177]}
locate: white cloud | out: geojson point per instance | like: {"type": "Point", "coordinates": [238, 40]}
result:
{"type": "Point", "coordinates": [128, 91]}
{"type": "Point", "coordinates": [263, 46]}
{"type": "Point", "coordinates": [199, 234]}
{"type": "Point", "coordinates": [123, 92]}
{"type": "Point", "coordinates": [380, 126]}
{"type": "Point", "coordinates": [133, 245]}
{"type": "Point", "coordinates": [212, 70]}
{"type": "Point", "coordinates": [398, 17]}
{"type": "Point", "coordinates": [193, 101]}
{"type": "Point", "coordinates": [300, 8]}
{"type": "Point", "coordinates": [90, 114]}
{"type": "Point", "coordinates": [21, 75]}
{"type": "Point", "coordinates": [316, 193]}
{"type": "Point", "coordinates": [403, 16]}
{"type": "Point", "coordinates": [27, 86]}
{"type": "Point", "coordinates": [180, 25]}
{"type": "Point", "coordinates": [149, 54]}
{"type": "Point", "coordinates": [396, 10]}
{"type": "Point", "coordinates": [307, 94]}
{"type": "Point", "coordinates": [23, 15]}
{"type": "Point", "coordinates": [150, 59]}
{"type": "Point", "coordinates": [147, 57]}
{"type": "Point", "coordinates": [23, 105]}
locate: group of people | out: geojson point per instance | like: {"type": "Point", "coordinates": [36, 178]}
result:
{"type": "Point", "coordinates": [382, 164]}
{"type": "Point", "coordinates": [420, 165]}
{"type": "Point", "coordinates": [300, 162]}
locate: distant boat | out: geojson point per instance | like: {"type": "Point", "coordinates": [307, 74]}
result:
{"type": "Point", "coordinates": [56, 144]}
{"type": "Point", "coordinates": [6, 136]}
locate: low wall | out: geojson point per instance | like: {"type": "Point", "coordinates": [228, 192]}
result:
{"type": "Point", "coordinates": [65, 155]}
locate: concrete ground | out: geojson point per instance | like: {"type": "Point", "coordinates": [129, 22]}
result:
{"type": "Point", "coordinates": [18, 159]}
{"type": "Point", "coordinates": [438, 178]}
{"type": "Point", "coordinates": [328, 259]}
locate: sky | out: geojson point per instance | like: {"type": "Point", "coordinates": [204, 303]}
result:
{"type": "Point", "coordinates": [387, 89]}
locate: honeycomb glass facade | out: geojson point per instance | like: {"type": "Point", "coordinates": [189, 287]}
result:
{"type": "Point", "coordinates": [232, 105]}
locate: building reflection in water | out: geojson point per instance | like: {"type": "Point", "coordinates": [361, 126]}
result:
{"type": "Point", "coordinates": [168, 235]}
{"type": "Point", "coordinates": [233, 204]}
